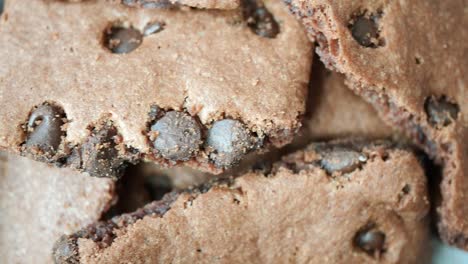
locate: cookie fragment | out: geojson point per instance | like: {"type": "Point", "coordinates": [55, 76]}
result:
{"type": "Point", "coordinates": [178, 136]}
{"type": "Point", "coordinates": [440, 112]}
{"type": "Point", "coordinates": [300, 213]}
{"type": "Point", "coordinates": [407, 95]}
{"type": "Point", "coordinates": [120, 40]}
{"type": "Point", "coordinates": [44, 129]}
{"type": "Point", "coordinates": [230, 140]}
{"type": "Point", "coordinates": [39, 203]}
{"type": "Point", "coordinates": [165, 70]}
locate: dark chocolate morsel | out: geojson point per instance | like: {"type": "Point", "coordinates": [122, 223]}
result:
{"type": "Point", "coordinates": [122, 40]}
{"type": "Point", "coordinates": [152, 28]}
{"type": "Point", "coordinates": [99, 154]}
{"type": "Point", "coordinates": [260, 20]}
{"type": "Point", "coordinates": [45, 128]}
{"type": "Point", "coordinates": [178, 136]}
{"type": "Point", "coordinates": [148, 3]}
{"type": "Point", "coordinates": [230, 140]}
{"type": "Point", "coordinates": [440, 112]}
{"type": "Point", "coordinates": [65, 250]}
{"type": "Point", "coordinates": [370, 240]}
{"type": "Point", "coordinates": [341, 160]}
{"type": "Point", "coordinates": [365, 31]}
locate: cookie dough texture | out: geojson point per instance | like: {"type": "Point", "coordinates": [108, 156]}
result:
{"type": "Point", "coordinates": [207, 63]}
{"type": "Point", "coordinates": [39, 203]}
{"type": "Point", "coordinates": [418, 57]}
{"type": "Point", "coordinates": [297, 213]}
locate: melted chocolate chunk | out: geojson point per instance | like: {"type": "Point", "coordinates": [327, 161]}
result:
{"type": "Point", "coordinates": [440, 112]}
{"type": "Point", "coordinates": [370, 240]}
{"type": "Point", "coordinates": [45, 129]}
{"type": "Point", "coordinates": [230, 141]}
{"type": "Point", "coordinates": [365, 30]}
{"type": "Point", "coordinates": [100, 156]}
{"type": "Point", "coordinates": [178, 136]}
{"type": "Point", "coordinates": [341, 160]}
{"type": "Point", "coordinates": [121, 40]}
{"type": "Point", "coordinates": [260, 20]}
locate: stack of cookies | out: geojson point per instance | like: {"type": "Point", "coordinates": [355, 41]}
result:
{"type": "Point", "coordinates": [232, 131]}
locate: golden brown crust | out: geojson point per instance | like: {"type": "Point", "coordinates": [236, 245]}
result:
{"type": "Point", "coordinates": [414, 73]}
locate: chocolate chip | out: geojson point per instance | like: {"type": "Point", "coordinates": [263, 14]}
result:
{"type": "Point", "coordinates": [341, 160]}
{"type": "Point", "coordinates": [440, 112]}
{"type": "Point", "coordinates": [230, 140]}
{"type": "Point", "coordinates": [178, 136]}
{"type": "Point", "coordinates": [365, 30]}
{"type": "Point", "coordinates": [45, 129]}
{"type": "Point", "coordinates": [122, 40]}
{"type": "Point", "coordinates": [65, 250]}
{"type": "Point", "coordinates": [370, 240]}
{"type": "Point", "coordinates": [148, 3]}
{"type": "Point", "coordinates": [99, 154]}
{"type": "Point", "coordinates": [152, 28]}
{"type": "Point", "coordinates": [260, 20]}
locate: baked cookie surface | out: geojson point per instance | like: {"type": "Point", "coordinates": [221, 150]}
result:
{"type": "Point", "coordinates": [147, 83]}
{"type": "Point", "coordinates": [39, 203]}
{"type": "Point", "coordinates": [409, 59]}
{"type": "Point", "coordinates": [343, 201]}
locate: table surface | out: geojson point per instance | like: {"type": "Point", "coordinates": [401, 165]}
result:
{"type": "Point", "coordinates": [443, 254]}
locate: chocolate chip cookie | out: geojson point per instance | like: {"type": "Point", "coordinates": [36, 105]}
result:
{"type": "Point", "coordinates": [102, 84]}
{"type": "Point", "coordinates": [39, 203]}
{"type": "Point", "coordinates": [409, 60]}
{"type": "Point", "coordinates": [333, 111]}
{"type": "Point", "coordinates": [344, 201]}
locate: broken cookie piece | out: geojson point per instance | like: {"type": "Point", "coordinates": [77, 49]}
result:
{"type": "Point", "coordinates": [39, 203]}
{"type": "Point", "coordinates": [414, 72]}
{"type": "Point", "coordinates": [118, 64]}
{"type": "Point", "coordinates": [302, 216]}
